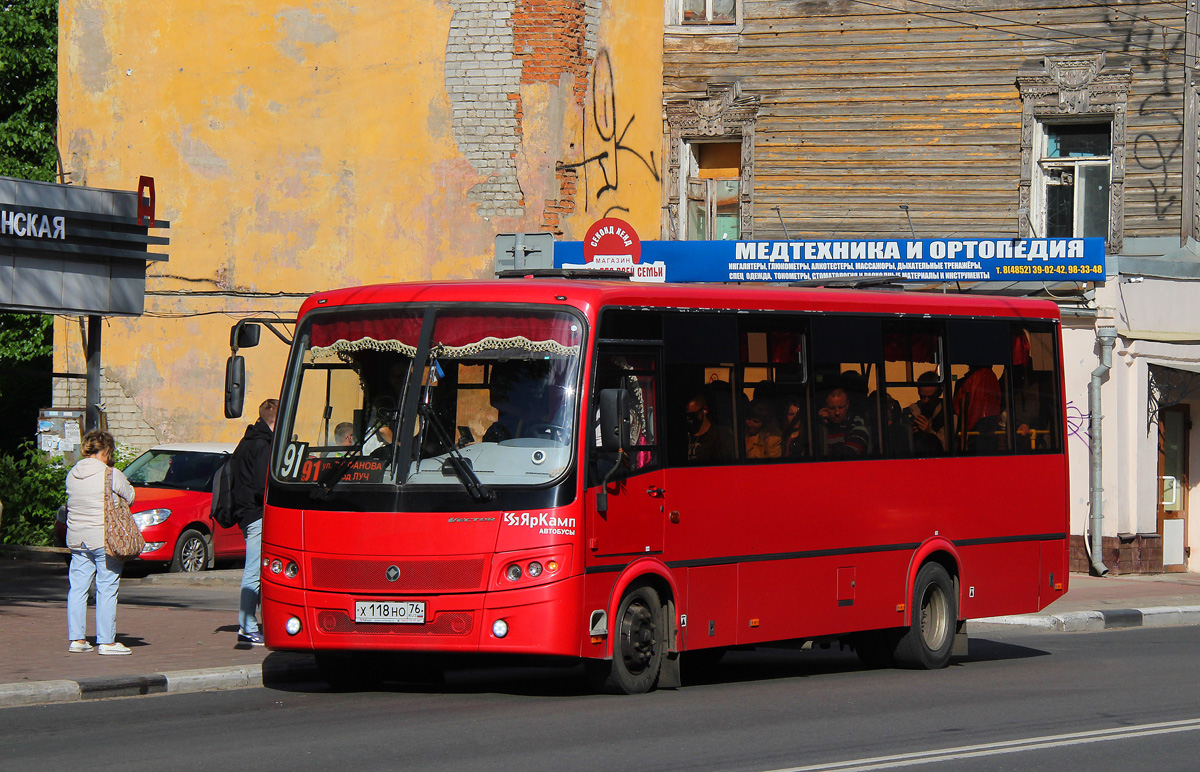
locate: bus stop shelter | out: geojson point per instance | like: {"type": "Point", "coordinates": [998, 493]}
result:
{"type": "Point", "coordinates": [79, 251]}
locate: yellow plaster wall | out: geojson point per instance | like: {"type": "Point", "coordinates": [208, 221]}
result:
{"type": "Point", "coordinates": [297, 147]}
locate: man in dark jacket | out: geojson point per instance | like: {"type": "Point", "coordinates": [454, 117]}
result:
{"type": "Point", "coordinates": [250, 461]}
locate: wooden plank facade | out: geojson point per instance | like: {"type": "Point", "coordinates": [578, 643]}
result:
{"type": "Point", "coordinates": [847, 109]}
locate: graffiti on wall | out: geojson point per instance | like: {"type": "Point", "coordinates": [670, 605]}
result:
{"type": "Point", "coordinates": [607, 134]}
{"type": "Point", "coordinates": [1077, 425]}
{"type": "Point", "coordinates": [1153, 49]}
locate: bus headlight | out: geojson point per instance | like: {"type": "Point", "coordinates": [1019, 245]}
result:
{"type": "Point", "coordinates": [499, 628]}
{"type": "Point", "coordinates": [512, 573]}
{"type": "Point", "coordinates": [291, 570]}
{"type": "Point", "coordinates": [276, 566]}
{"type": "Point", "coordinates": [535, 569]}
{"type": "Point", "coordinates": [292, 625]}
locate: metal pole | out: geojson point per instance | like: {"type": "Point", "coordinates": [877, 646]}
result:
{"type": "Point", "coordinates": [92, 403]}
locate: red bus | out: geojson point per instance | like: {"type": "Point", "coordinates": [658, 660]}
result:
{"type": "Point", "coordinates": [623, 472]}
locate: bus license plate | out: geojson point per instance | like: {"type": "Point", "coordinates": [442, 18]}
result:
{"type": "Point", "coordinates": [410, 612]}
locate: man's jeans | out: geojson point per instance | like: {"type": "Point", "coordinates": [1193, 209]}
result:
{"type": "Point", "coordinates": [248, 608]}
{"type": "Point", "coordinates": [87, 563]}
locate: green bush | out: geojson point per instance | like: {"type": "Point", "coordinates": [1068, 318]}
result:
{"type": "Point", "coordinates": [32, 488]}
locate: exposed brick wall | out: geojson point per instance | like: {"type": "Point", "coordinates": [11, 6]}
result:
{"type": "Point", "coordinates": [122, 413]}
{"type": "Point", "coordinates": [556, 39]}
{"type": "Point", "coordinates": [495, 47]}
{"type": "Point", "coordinates": [481, 76]}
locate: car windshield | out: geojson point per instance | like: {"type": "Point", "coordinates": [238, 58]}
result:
{"type": "Point", "coordinates": [495, 389]}
{"type": "Point", "coordinates": [185, 470]}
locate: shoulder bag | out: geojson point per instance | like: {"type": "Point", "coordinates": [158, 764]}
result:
{"type": "Point", "coordinates": [122, 539]}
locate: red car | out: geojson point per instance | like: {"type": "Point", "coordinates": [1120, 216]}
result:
{"type": "Point", "coordinates": [172, 506]}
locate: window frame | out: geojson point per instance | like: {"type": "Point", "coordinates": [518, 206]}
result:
{"type": "Point", "coordinates": [1086, 88]}
{"type": "Point", "coordinates": [676, 25]}
{"type": "Point", "coordinates": [1042, 178]}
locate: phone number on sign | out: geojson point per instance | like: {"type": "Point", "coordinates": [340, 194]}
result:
{"type": "Point", "coordinates": [1051, 270]}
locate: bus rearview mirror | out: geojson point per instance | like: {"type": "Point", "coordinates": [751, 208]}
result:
{"type": "Point", "coordinates": [614, 420]}
{"type": "Point", "coordinates": [246, 335]}
{"type": "Point", "coordinates": [235, 386]}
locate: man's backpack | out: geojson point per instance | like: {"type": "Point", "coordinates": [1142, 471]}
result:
{"type": "Point", "coordinates": [222, 499]}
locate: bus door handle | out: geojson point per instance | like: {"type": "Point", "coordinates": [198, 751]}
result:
{"type": "Point", "coordinates": [655, 493]}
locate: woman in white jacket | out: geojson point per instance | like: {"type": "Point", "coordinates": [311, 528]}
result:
{"type": "Point", "coordinates": [86, 489]}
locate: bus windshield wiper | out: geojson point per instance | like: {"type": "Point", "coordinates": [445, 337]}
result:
{"type": "Point", "coordinates": [458, 462]}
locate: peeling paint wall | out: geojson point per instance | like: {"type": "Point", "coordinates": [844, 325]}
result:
{"type": "Point", "coordinates": [297, 147]}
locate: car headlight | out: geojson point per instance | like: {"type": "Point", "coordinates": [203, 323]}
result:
{"type": "Point", "coordinates": [150, 517]}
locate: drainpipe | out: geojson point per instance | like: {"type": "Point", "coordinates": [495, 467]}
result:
{"type": "Point", "coordinates": [1106, 332]}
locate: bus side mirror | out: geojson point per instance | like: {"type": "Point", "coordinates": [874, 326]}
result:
{"type": "Point", "coordinates": [245, 335]}
{"type": "Point", "coordinates": [614, 420]}
{"type": "Point", "coordinates": [235, 386]}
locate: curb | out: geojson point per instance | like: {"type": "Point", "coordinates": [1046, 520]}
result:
{"type": "Point", "coordinates": [1092, 621]}
{"type": "Point", "coordinates": [299, 670]}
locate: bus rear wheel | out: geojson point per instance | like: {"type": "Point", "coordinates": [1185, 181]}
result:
{"type": "Point", "coordinates": [928, 640]}
{"type": "Point", "coordinates": [638, 649]}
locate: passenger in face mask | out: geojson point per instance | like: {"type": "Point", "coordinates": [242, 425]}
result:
{"type": "Point", "coordinates": [707, 441]}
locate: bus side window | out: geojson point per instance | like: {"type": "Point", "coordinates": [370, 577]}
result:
{"type": "Point", "coordinates": [979, 352]}
{"type": "Point", "coordinates": [1035, 414]}
{"type": "Point", "coordinates": [637, 374]}
{"type": "Point", "coordinates": [915, 393]}
{"type": "Point", "coordinates": [846, 353]}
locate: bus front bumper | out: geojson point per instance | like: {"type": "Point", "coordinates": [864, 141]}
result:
{"type": "Point", "coordinates": [535, 620]}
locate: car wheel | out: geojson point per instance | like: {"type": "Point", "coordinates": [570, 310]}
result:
{"type": "Point", "coordinates": [191, 552]}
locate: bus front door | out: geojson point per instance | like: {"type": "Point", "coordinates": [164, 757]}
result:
{"type": "Point", "coordinates": [633, 519]}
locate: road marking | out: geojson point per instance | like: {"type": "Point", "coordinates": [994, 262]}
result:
{"type": "Point", "coordinates": [995, 749]}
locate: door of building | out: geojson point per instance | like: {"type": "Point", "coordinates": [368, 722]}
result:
{"type": "Point", "coordinates": [1174, 423]}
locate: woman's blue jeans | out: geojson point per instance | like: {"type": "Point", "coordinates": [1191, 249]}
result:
{"type": "Point", "coordinates": [88, 563]}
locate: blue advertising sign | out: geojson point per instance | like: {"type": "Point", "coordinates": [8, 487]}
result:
{"type": "Point", "coordinates": [923, 260]}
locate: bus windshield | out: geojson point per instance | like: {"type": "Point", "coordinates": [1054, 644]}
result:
{"type": "Point", "coordinates": [485, 396]}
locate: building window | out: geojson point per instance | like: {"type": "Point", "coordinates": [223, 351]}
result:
{"type": "Point", "coordinates": [1074, 172]}
{"type": "Point", "coordinates": [710, 165]}
{"type": "Point", "coordinates": [708, 11]}
{"type": "Point", "coordinates": [713, 191]}
{"type": "Point", "coordinates": [1073, 147]}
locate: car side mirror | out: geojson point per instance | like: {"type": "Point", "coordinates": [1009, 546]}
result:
{"type": "Point", "coordinates": [614, 420]}
{"type": "Point", "coordinates": [235, 386]}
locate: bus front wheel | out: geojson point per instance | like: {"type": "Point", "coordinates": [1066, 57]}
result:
{"type": "Point", "coordinates": [638, 649]}
{"type": "Point", "coordinates": [928, 640]}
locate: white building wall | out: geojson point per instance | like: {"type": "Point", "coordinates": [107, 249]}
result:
{"type": "Point", "coordinates": [1158, 321]}
{"type": "Point", "coordinates": [1079, 359]}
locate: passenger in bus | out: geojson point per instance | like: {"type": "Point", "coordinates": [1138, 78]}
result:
{"type": "Point", "coordinates": [844, 435]}
{"type": "Point", "coordinates": [927, 416]}
{"type": "Point", "coordinates": [795, 437]}
{"type": "Point", "coordinates": [707, 440]}
{"type": "Point", "coordinates": [898, 440]}
{"type": "Point", "coordinates": [764, 439]}
{"type": "Point", "coordinates": [977, 408]}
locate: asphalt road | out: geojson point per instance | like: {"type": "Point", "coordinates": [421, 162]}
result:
{"type": "Point", "coordinates": [1020, 701]}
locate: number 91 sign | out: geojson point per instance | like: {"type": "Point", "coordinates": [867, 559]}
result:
{"type": "Point", "coordinates": [293, 460]}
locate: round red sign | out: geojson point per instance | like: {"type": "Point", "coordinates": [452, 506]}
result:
{"type": "Point", "coordinates": [612, 242]}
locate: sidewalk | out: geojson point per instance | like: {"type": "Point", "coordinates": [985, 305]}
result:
{"type": "Point", "coordinates": [1100, 603]}
{"type": "Point", "coordinates": [183, 630]}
